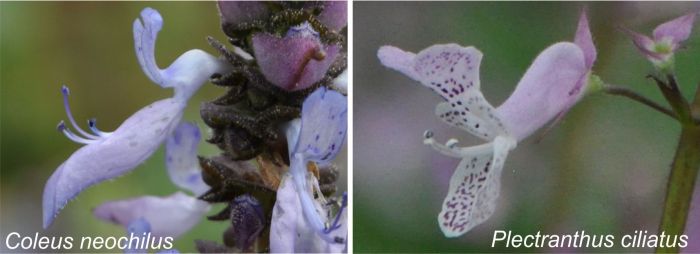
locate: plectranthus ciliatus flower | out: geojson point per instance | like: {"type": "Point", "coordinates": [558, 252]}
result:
{"type": "Point", "coordinates": [667, 38]}
{"type": "Point", "coordinates": [284, 55]}
{"type": "Point", "coordinates": [556, 80]}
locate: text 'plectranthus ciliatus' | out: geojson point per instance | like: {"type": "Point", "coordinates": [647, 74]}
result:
{"type": "Point", "coordinates": [558, 78]}
{"type": "Point", "coordinates": [107, 155]}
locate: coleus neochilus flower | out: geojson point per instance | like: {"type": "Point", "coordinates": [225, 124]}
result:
{"type": "Point", "coordinates": [555, 81]}
{"type": "Point", "coordinates": [300, 222]}
{"type": "Point", "coordinates": [667, 38]}
{"type": "Point", "coordinates": [109, 155]}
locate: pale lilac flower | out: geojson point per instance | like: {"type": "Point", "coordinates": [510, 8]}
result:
{"type": "Point", "coordinates": [667, 38]}
{"type": "Point", "coordinates": [555, 81]}
{"type": "Point", "coordinates": [175, 214]}
{"type": "Point", "coordinates": [109, 155]}
{"type": "Point", "coordinates": [295, 61]}
{"type": "Point", "coordinates": [301, 223]}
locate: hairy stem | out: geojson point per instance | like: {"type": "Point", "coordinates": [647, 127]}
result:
{"type": "Point", "coordinates": [621, 91]}
{"type": "Point", "coordinates": [681, 183]}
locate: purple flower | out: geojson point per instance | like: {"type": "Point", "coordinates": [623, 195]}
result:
{"type": "Point", "coordinates": [298, 220]}
{"type": "Point", "coordinates": [175, 214]}
{"type": "Point", "coordinates": [295, 61]}
{"type": "Point", "coordinates": [555, 81]}
{"type": "Point", "coordinates": [107, 155]}
{"type": "Point", "coordinates": [248, 221]}
{"type": "Point", "coordinates": [667, 38]}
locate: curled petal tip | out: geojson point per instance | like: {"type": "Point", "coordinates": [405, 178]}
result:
{"type": "Point", "coordinates": [65, 90]}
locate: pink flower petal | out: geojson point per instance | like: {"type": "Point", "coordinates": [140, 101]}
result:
{"type": "Point", "coordinates": [585, 41]}
{"type": "Point", "coordinates": [677, 30]}
{"type": "Point", "coordinates": [544, 90]}
{"type": "Point", "coordinates": [289, 62]}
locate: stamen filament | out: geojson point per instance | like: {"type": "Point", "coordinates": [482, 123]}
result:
{"type": "Point", "coordinates": [451, 149]}
{"type": "Point", "coordinates": [66, 92]}
{"type": "Point", "coordinates": [92, 123]}
{"type": "Point", "coordinates": [70, 135]}
{"type": "Point", "coordinates": [336, 222]}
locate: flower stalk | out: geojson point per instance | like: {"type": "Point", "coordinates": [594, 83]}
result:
{"type": "Point", "coordinates": [681, 184]}
{"type": "Point", "coordinates": [621, 91]}
{"type": "Point", "coordinates": [685, 166]}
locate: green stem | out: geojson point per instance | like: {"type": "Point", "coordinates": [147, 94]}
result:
{"type": "Point", "coordinates": [621, 91]}
{"type": "Point", "coordinates": [680, 186]}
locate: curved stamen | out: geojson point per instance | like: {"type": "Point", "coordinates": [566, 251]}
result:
{"type": "Point", "coordinates": [92, 123]}
{"type": "Point", "coordinates": [450, 148]}
{"type": "Point", "coordinates": [66, 92]}
{"type": "Point", "coordinates": [336, 222]}
{"type": "Point", "coordinates": [70, 135]}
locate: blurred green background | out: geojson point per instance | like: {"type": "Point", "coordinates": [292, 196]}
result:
{"type": "Point", "coordinates": [602, 169]}
{"type": "Point", "coordinates": [89, 47]}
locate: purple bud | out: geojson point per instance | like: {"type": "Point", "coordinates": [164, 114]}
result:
{"type": "Point", "coordinates": [247, 219]}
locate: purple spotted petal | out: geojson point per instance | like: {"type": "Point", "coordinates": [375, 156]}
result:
{"type": "Point", "coordinates": [676, 31]}
{"type": "Point", "coordinates": [289, 231]}
{"type": "Point", "coordinates": [545, 89]}
{"type": "Point", "coordinates": [248, 220]}
{"type": "Point", "coordinates": [334, 15]}
{"type": "Point", "coordinates": [584, 40]}
{"type": "Point", "coordinates": [168, 216]}
{"type": "Point", "coordinates": [291, 63]}
{"type": "Point", "coordinates": [181, 158]}
{"type": "Point", "coordinates": [235, 12]}
{"type": "Point", "coordinates": [112, 156]}
{"type": "Point", "coordinates": [187, 73]}
{"type": "Point", "coordinates": [323, 125]}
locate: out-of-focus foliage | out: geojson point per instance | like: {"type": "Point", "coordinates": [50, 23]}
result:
{"type": "Point", "coordinates": [602, 169]}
